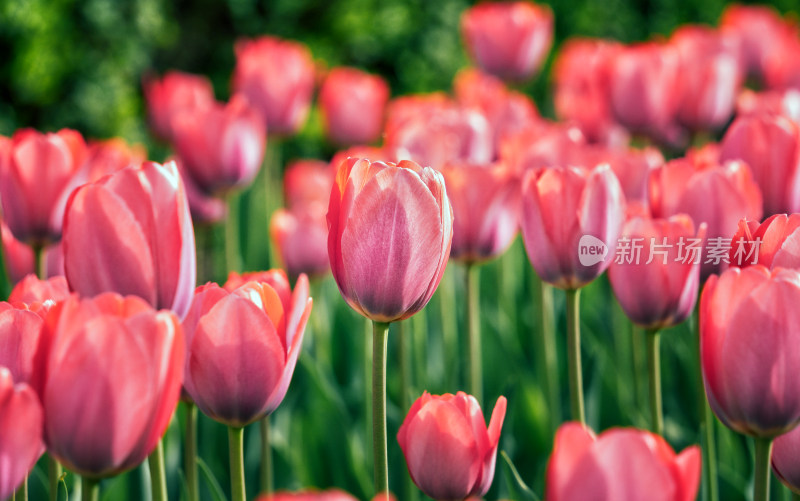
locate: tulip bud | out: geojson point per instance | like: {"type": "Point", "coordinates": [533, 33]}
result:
{"type": "Point", "coordinates": [352, 104]}
{"type": "Point", "coordinates": [20, 432]}
{"type": "Point", "coordinates": [174, 93]}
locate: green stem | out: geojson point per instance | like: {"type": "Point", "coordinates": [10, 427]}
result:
{"type": "Point", "coordinates": [22, 492]}
{"type": "Point", "coordinates": [233, 254]}
{"type": "Point", "coordinates": [190, 452]}
{"type": "Point", "coordinates": [638, 365]}
{"type": "Point", "coordinates": [90, 489]}
{"type": "Point", "coordinates": [53, 474]}
{"type": "Point", "coordinates": [267, 485]}
{"type": "Point", "coordinates": [40, 261]}
{"type": "Point", "coordinates": [795, 496]}
{"type": "Point", "coordinates": [272, 188]}
{"type": "Point", "coordinates": [380, 333]}
{"type": "Point", "coordinates": [402, 360]}
{"type": "Point", "coordinates": [574, 355]}
{"type": "Point", "coordinates": [707, 426]}
{"type": "Point", "coordinates": [654, 370]}
{"type": "Point", "coordinates": [474, 331]}
{"type": "Point", "coordinates": [762, 469]}
{"type": "Point", "coordinates": [447, 307]}
{"type": "Point", "coordinates": [549, 352]}
{"type": "Point", "coordinates": [236, 448]}
{"type": "Point", "coordinates": [158, 478]}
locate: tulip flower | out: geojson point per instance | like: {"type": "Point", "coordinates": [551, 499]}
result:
{"type": "Point", "coordinates": [20, 328]}
{"type": "Point", "coordinates": [404, 108]}
{"type": "Point", "coordinates": [20, 260]}
{"type": "Point", "coordinates": [786, 461]}
{"type": "Point", "coordinates": [308, 495]}
{"type": "Point", "coordinates": [301, 240]}
{"type": "Point", "coordinates": [308, 182]}
{"type": "Point", "coordinates": [32, 289]}
{"type": "Point", "coordinates": [37, 174]}
{"type": "Point", "coordinates": [110, 381]}
{"type": "Point", "coordinates": [449, 450]}
{"type": "Point", "coordinates": [772, 243]}
{"type": "Point", "coordinates": [632, 167]}
{"type": "Point", "coordinates": [352, 103]}
{"type": "Point", "coordinates": [770, 146]}
{"type": "Point", "coordinates": [621, 464]}
{"type": "Point", "coordinates": [785, 103]}
{"type": "Point", "coordinates": [131, 233]}
{"type": "Point", "coordinates": [107, 157]}
{"type": "Point", "coordinates": [277, 77]}
{"type": "Point", "coordinates": [174, 92]}
{"type": "Point", "coordinates": [544, 144]}
{"type": "Point", "coordinates": [222, 146]}
{"type": "Point", "coordinates": [20, 432]}
{"type": "Point", "coordinates": [508, 39]}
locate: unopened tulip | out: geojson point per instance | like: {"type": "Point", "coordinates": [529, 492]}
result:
{"type": "Point", "coordinates": [750, 349]}
{"type": "Point", "coordinates": [508, 39]}
{"type": "Point", "coordinates": [301, 239]}
{"type": "Point", "coordinates": [222, 146]}
{"type": "Point", "coordinates": [110, 381]}
{"type": "Point", "coordinates": [309, 182]}
{"type": "Point", "coordinates": [621, 464]}
{"type": "Point", "coordinates": [242, 347]}
{"type": "Point", "coordinates": [786, 459]}
{"type": "Point", "coordinates": [37, 174]}
{"type": "Point", "coordinates": [403, 108]}
{"type": "Point", "coordinates": [770, 146]}
{"type": "Point", "coordinates": [449, 450]}
{"type": "Point", "coordinates": [485, 202]}
{"type": "Point", "coordinates": [20, 329]}
{"type": "Point", "coordinates": [773, 243]}
{"type": "Point", "coordinates": [173, 93]}
{"type": "Point", "coordinates": [131, 233]}
{"type": "Point", "coordinates": [32, 289]}
{"type": "Point", "coordinates": [20, 432]}
{"type": "Point", "coordinates": [390, 227]}
{"type": "Point", "coordinates": [352, 103]}
{"type": "Point", "coordinates": [564, 209]}
{"type": "Point", "coordinates": [277, 77]}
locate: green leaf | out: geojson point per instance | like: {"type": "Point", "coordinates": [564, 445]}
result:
{"type": "Point", "coordinates": [216, 490]}
{"type": "Point", "coordinates": [522, 488]}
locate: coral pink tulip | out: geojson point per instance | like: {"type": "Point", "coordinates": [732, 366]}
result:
{"type": "Point", "coordinates": [110, 381]}
{"type": "Point", "coordinates": [353, 103]}
{"type": "Point", "coordinates": [450, 452]}
{"type": "Point", "coordinates": [622, 464]}
{"type": "Point", "coordinates": [242, 347]}
{"type": "Point", "coordinates": [508, 39]}
{"type": "Point", "coordinates": [770, 145]}
{"type": "Point", "coordinates": [658, 288]}
{"type": "Point", "coordinates": [277, 77]}
{"type": "Point", "coordinates": [559, 207]}
{"type": "Point", "coordinates": [390, 227]}
{"type": "Point", "coordinates": [543, 145]}
{"type": "Point", "coordinates": [773, 243]}
{"type": "Point", "coordinates": [786, 459]}
{"type": "Point", "coordinates": [31, 290]}
{"type": "Point", "coordinates": [173, 93]}
{"type": "Point", "coordinates": [131, 233]}
{"type": "Point", "coordinates": [109, 156]}
{"type": "Point", "coordinates": [20, 329]}
{"type": "Point", "coordinates": [308, 182]}
{"type": "Point", "coordinates": [750, 349]}
{"type": "Point", "coordinates": [275, 278]}
{"type": "Point", "coordinates": [20, 432]}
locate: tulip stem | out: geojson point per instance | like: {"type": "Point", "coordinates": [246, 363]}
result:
{"type": "Point", "coordinates": [706, 425]}
{"type": "Point", "coordinates": [380, 331]}
{"type": "Point", "coordinates": [574, 355]}
{"type": "Point", "coordinates": [39, 261]}
{"type": "Point", "coordinates": [654, 368]}
{"type": "Point", "coordinates": [53, 474]}
{"type": "Point", "coordinates": [236, 449]}
{"type": "Point", "coordinates": [266, 457]}
{"type": "Point", "coordinates": [548, 350]}
{"type": "Point", "coordinates": [22, 492]}
{"type": "Point", "coordinates": [233, 254]}
{"type": "Point", "coordinates": [190, 453]}
{"type": "Point", "coordinates": [158, 478]}
{"type": "Point", "coordinates": [762, 469]}
{"type": "Point", "coordinates": [90, 489]}
{"type": "Point", "coordinates": [447, 308]}
{"type": "Point", "coordinates": [402, 361]}
{"type": "Point", "coordinates": [474, 331]}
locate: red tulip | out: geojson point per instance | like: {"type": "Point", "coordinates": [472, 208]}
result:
{"type": "Point", "coordinates": [19, 258]}
{"type": "Point", "coordinates": [174, 93]}
{"type": "Point", "coordinates": [131, 233]}
{"type": "Point", "coordinates": [33, 290]}
{"type": "Point", "coordinates": [390, 228]}
{"type": "Point", "coordinates": [352, 103]}
{"type": "Point", "coordinates": [222, 146]}
{"type": "Point", "coordinates": [750, 349]}
{"type": "Point", "coordinates": [37, 174]}
{"type": "Point", "coordinates": [277, 77]}
{"type": "Point", "coordinates": [770, 145]}
{"type": "Point", "coordinates": [242, 347]}
{"type": "Point", "coordinates": [20, 433]}
{"type": "Point", "coordinates": [658, 288]}
{"type": "Point", "coordinates": [109, 156]}
{"type": "Point", "coordinates": [622, 464]}
{"type": "Point", "coordinates": [508, 39]}
{"type": "Point", "coordinates": [485, 202]}
{"type": "Point", "coordinates": [449, 451]}
{"type": "Point", "coordinates": [786, 459]}
{"type": "Point", "coordinates": [773, 243]}
{"type": "Point", "coordinates": [110, 382]}
{"type": "Point", "coordinates": [559, 207]}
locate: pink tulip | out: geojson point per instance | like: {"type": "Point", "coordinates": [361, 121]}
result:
{"type": "Point", "coordinates": [275, 278]}
{"type": "Point", "coordinates": [242, 347]}
{"type": "Point", "coordinates": [390, 227]}
{"type": "Point", "coordinates": [622, 464]}
{"type": "Point", "coordinates": [543, 145]}
{"type": "Point", "coordinates": [308, 182]}
{"type": "Point", "coordinates": [301, 240]}
{"type": "Point", "coordinates": [449, 451]}
{"type": "Point", "coordinates": [111, 378]}
{"type": "Point", "coordinates": [632, 167]}
{"type": "Point", "coordinates": [770, 146]}
{"type": "Point", "coordinates": [352, 103]}
{"type": "Point", "coordinates": [658, 288]}
{"type": "Point", "coordinates": [560, 206]}
{"type": "Point", "coordinates": [782, 70]}
{"type": "Point", "coordinates": [485, 202]}
{"type": "Point", "coordinates": [403, 108]}
{"type": "Point", "coordinates": [308, 495]}
{"type": "Point", "coordinates": [19, 258]}
{"type": "Point", "coordinates": [204, 208]}
{"type": "Point", "coordinates": [109, 156]}
{"type": "Point", "coordinates": [131, 233]}
{"type": "Point", "coordinates": [222, 146]}
{"type": "Point", "coordinates": [37, 174]}
{"type": "Point", "coordinates": [785, 103]}
{"type": "Point", "coordinates": [20, 432]}
{"type": "Point", "coordinates": [750, 349]}
{"type": "Point", "coordinates": [174, 93]}
{"type": "Point", "coordinates": [508, 39]}
{"type": "Point", "coordinates": [20, 328]}
{"type": "Point", "coordinates": [33, 290]}
{"type": "Point", "coordinates": [786, 459]}
{"type": "Point", "coordinates": [277, 77]}
{"type": "Point", "coordinates": [773, 243]}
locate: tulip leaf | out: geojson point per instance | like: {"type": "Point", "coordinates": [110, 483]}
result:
{"type": "Point", "coordinates": [216, 490]}
{"type": "Point", "coordinates": [63, 492]}
{"type": "Point", "coordinates": [521, 486]}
